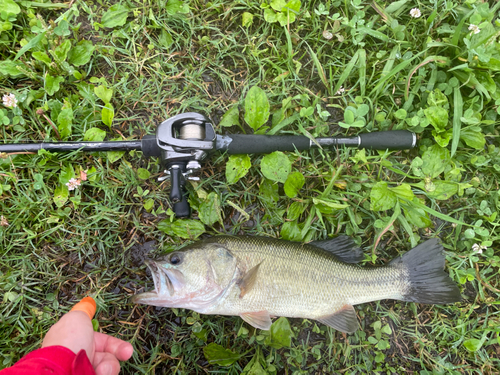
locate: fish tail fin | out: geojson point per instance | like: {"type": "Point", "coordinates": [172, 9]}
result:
{"type": "Point", "coordinates": [423, 267]}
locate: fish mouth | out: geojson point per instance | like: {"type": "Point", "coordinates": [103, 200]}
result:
{"type": "Point", "coordinates": [160, 279]}
{"type": "Point", "coordinates": [165, 280]}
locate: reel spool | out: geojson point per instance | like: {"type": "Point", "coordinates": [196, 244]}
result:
{"type": "Point", "coordinates": [192, 132]}
{"type": "Point", "coordinates": [186, 132]}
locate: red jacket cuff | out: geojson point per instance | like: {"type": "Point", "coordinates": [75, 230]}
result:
{"type": "Point", "coordinates": [55, 360]}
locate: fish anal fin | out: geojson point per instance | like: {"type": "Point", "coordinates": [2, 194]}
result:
{"type": "Point", "coordinates": [342, 247]}
{"type": "Point", "coordinates": [248, 280]}
{"type": "Point", "coordinates": [257, 319]}
{"type": "Point", "coordinates": [343, 320]}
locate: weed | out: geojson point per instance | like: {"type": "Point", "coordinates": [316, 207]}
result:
{"type": "Point", "coordinates": [89, 70]}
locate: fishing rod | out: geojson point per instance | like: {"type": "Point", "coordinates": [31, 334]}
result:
{"type": "Point", "coordinates": [182, 142]}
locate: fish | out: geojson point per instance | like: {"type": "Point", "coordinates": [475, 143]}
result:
{"type": "Point", "coordinates": [258, 278]}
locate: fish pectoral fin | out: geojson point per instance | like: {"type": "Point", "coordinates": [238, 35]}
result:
{"type": "Point", "coordinates": [257, 319]}
{"type": "Point", "coordinates": [343, 320]}
{"type": "Point", "coordinates": [248, 280]}
{"type": "Point", "coordinates": [342, 247]}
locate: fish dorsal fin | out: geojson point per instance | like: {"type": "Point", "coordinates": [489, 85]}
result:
{"type": "Point", "coordinates": [257, 319]}
{"type": "Point", "coordinates": [342, 247]}
{"type": "Point", "coordinates": [248, 280]}
{"type": "Point", "coordinates": [344, 320]}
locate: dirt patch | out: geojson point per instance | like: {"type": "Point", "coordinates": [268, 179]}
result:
{"type": "Point", "coordinates": [139, 252]}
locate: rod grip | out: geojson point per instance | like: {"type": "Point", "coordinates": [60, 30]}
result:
{"type": "Point", "coordinates": [261, 144]}
{"type": "Point", "coordinates": [149, 146]}
{"type": "Point", "coordinates": [388, 140]}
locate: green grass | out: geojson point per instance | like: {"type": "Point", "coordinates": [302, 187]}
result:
{"type": "Point", "coordinates": [166, 58]}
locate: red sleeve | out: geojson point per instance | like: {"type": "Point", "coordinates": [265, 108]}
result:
{"type": "Point", "coordinates": [52, 360]}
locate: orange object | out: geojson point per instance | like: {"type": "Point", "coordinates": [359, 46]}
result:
{"type": "Point", "coordinates": [87, 305]}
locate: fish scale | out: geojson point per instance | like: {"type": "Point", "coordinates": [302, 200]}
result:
{"type": "Point", "coordinates": [324, 284]}
{"type": "Point", "coordinates": [258, 278]}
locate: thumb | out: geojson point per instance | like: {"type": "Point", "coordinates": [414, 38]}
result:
{"type": "Point", "coordinates": [106, 364]}
{"type": "Point", "coordinates": [87, 305]}
{"type": "Point", "coordinates": [74, 330]}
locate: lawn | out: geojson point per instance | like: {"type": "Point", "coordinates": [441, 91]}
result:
{"type": "Point", "coordinates": [97, 70]}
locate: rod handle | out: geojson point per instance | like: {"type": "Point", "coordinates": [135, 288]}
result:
{"type": "Point", "coordinates": [388, 140]}
{"type": "Point", "coordinates": [149, 146]}
{"type": "Point", "coordinates": [261, 144]}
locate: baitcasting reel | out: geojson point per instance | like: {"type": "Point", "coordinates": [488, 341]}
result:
{"type": "Point", "coordinates": [184, 141]}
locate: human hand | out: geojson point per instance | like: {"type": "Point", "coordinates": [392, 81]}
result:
{"type": "Point", "coordinates": [75, 332]}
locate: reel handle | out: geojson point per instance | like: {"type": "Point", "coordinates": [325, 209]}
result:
{"type": "Point", "coordinates": [182, 209]}
{"type": "Point", "coordinates": [178, 192]}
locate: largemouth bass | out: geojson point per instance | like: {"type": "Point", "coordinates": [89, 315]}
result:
{"type": "Point", "coordinates": [257, 278]}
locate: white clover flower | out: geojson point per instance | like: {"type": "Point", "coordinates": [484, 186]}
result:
{"type": "Point", "coordinates": [415, 13]}
{"type": "Point", "coordinates": [73, 184]}
{"type": "Point", "coordinates": [3, 222]}
{"type": "Point", "coordinates": [327, 35]}
{"type": "Point", "coordinates": [340, 91]}
{"type": "Point", "coordinates": [9, 101]}
{"type": "Point", "coordinates": [478, 248]}
{"type": "Point", "coordinates": [474, 28]}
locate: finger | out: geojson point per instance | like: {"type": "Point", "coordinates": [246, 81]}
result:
{"type": "Point", "coordinates": [87, 305]}
{"type": "Point", "coordinates": [74, 331]}
{"type": "Point", "coordinates": [120, 349]}
{"type": "Point", "coordinates": [106, 364]}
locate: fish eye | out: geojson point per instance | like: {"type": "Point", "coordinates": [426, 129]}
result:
{"type": "Point", "coordinates": [175, 259]}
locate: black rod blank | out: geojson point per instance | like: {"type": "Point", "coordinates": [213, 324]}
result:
{"type": "Point", "coordinates": [72, 146]}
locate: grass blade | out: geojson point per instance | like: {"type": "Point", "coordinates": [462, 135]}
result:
{"type": "Point", "coordinates": [395, 6]}
{"type": "Point", "coordinates": [32, 43]}
{"type": "Point", "coordinates": [458, 30]}
{"type": "Point", "coordinates": [374, 33]}
{"type": "Point", "coordinates": [320, 69]}
{"type": "Point", "coordinates": [458, 109]}
{"type": "Point", "coordinates": [395, 215]}
{"type": "Point", "coordinates": [435, 213]}
{"type": "Point", "coordinates": [440, 59]}
{"type": "Point", "coordinates": [289, 44]}
{"type": "Point", "coordinates": [409, 230]}
{"type": "Point", "coordinates": [362, 71]}
{"type": "Point", "coordinates": [393, 72]}
{"type": "Point", "coordinates": [346, 72]}
{"type": "Point", "coordinates": [390, 61]}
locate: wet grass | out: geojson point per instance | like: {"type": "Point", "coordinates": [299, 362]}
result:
{"type": "Point", "coordinates": [173, 57]}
